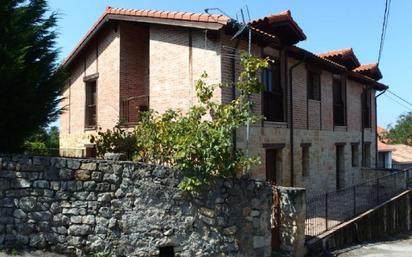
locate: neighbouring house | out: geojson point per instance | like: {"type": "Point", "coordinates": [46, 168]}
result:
{"type": "Point", "coordinates": [397, 156]}
{"type": "Point", "coordinates": [402, 157]}
{"type": "Point", "coordinates": [385, 153]}
{"type": "Point", "coordinates": [320, 109]}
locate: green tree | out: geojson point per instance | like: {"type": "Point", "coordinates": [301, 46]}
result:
{"type": "Point", "coordinates": [401, 133]}
{"type": "Point", "coordinates": [31, 81]}
{"type": "Point", "coordinates": [43, 142]}
{"type": "Point", "coordinates": [199, 143]}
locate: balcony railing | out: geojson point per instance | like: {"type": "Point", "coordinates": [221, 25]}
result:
{"type": "Point", "coordinates": [130, 107]}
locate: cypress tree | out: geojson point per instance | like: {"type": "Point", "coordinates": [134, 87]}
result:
{"type": "Point", "coordinates": [31, 81]}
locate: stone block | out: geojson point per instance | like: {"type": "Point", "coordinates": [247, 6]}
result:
{"type": "Point", "coordinates": [82, 175]}
{"type": "Point", "coordinates": [88, 166]}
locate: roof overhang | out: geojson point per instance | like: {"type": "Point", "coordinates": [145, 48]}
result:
{"type": "Point", "coordinates": [214, 23]}
{"type": "Point", "coordinates": [331, 66]}
{"type": "Point", "coordinates": [370, 70]}
{"type": "Point", "coordinates": [345, 57]}
{"type": "Point", "coordinates": [282, 25]}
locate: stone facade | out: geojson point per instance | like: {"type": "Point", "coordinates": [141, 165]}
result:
{"type": "Point", "coordinates": [79, 206]}
{"type": "Point", "coordinates": [177, 56]}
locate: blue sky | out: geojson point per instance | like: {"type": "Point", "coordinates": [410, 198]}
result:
{"type": "Point", "coordinates": [328, 25]}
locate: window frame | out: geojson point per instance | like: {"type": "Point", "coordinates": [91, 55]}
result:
{"type": "Point", "coordinates": [367, 155]}
{"type": "Point", "coordinates": [313, 90]}
{"type": "Point", "coordinates": [305, 159]}
{"type": "Point", "coordinates": [87, 124]}
{"type": "Point", "coordinates": [355, 155]}
{"type": "Point", "coordinates": [339, 99]}
{"type": "Point", "coordinates": [366, 108]}
{"type": "Point", "coordinates": [274, 93]}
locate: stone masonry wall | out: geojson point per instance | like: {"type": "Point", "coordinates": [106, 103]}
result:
{"type": "Point", "coordinates": [79, 206]}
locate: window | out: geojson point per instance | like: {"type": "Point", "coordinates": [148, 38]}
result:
{"type": "Point", "coordinates": [340, 166]}
{"type": "Point", "coordinates": [313, 85]}
{"type": "Point", "coordinates": [273, 162]}
{"type": "Point", "coordinates": [366, 155]}
{"type": "Point", "coordinates": [339, 97]}
{"type": "Point", "coordinates": [273, 94]}
{"type": "Point", "coordinates": [355, 155]}
{"type": "Point", "coordinates": [366, 110]}
{"type": "Point", "coordinates": [305, 159]}
{"type": "Point", "coordinates": [91, 97]}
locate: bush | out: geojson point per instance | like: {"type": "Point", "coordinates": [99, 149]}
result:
{"type": "Point", "coordinates": [117, 140]}
{"type": "Point", "coordinates": [199, 142]}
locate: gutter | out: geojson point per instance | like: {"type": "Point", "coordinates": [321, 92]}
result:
{"type": "Point", "coordinates": [376, 127]}
{"type": "Point", "coordinates": [292, 145]}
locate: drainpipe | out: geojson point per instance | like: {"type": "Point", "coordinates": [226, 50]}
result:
{"type": "Point", "coordinates": [376, 128]}
{"type": "Point", "coordinates": [233, 77]}
{"type": "Point", "coordinates": [292, 147]}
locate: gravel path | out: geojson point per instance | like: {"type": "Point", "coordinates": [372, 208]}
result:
{"type": "Point", "coordinates": [399, 246]}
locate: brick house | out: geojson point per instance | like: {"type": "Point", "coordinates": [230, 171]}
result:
{"type": "Point", "coordinates": [320, 107]}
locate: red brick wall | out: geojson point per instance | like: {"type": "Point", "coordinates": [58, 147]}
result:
{"type": "Point", "coordinates": [134, 68]}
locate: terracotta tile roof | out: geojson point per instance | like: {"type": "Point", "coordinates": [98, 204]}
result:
{"type": "Point", "coordinates": [382, 147]}
{"type": "Point", "coordinates": [176, 16]}
{"type": "Point", "coordinates": [344, 57]}
{"type": "Point", "coordinates": [340, 52]}
{"type": "Point", "coordinates": [182, 16]}
{"type": "Point", "coordinates": [402, 153]}
{"type": "Point", "coordinates": [285, 16]}
{"type": "Point", "coordinates": [370, 70]}
{"type": "Point", "coordinates": [380, 130]}
{"type": "Point", "coordinates": [334, 66]}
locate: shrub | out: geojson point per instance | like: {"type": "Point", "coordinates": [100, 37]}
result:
{"type": "Point", "coordinates": [199, 143]}
{"type": "Point", "coordinates": [117, 140]}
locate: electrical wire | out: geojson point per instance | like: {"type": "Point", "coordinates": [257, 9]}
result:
{"type": "Point", "coordinates": [403, 100]}
{"type": "Point", "coordinates": [384, 28]}
{"type": "Point", "coordinates": [401, 104]}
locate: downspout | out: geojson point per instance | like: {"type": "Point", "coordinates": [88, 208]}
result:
{"type": "Point", "coordinates": [376, 128]}
{"type": "Point", "coordinates": [292, 147]}
{"type": "Point", "coordinates": [233, 77]}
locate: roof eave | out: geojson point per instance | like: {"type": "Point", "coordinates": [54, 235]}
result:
{"type": "Point", "coordinates": [108, 17]}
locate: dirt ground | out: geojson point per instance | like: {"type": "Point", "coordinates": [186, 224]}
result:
{"type": "Point", "coordinates": [398, 246]}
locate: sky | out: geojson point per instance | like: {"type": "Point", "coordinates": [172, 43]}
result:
{"type": "Point", "coordinates": [328, 25]}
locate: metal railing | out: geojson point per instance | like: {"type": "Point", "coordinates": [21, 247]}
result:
{"type": "Point", "coordinates": [326, 211]}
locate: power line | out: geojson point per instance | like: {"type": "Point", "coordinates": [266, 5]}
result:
{"type": "Point", "coordinates": [392, 93]}
{"type": "Point", "coordinates": [401, 104]}
{"type": "Point", "coordinates": [384, 27]}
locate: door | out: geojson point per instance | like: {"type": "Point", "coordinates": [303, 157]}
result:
{"type": "Point", "coordinates": [271, 156]}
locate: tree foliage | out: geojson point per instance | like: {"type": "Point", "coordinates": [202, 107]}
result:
{"type": "Point", "coordinates": [401, 133]}
{"type": "Point", "coordinates": [31, 81]}
{"type": "Point", "coordinates": [43, 142]}
{"type": "Point", "coordinates": [116, 140]}
{"type": "Point", "coordinates": [199, 142]}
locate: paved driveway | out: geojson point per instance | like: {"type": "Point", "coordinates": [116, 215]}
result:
{"type": "Point", "coordinates": [399, 246]}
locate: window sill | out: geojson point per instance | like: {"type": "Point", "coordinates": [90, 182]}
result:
{"type": "Point", "coordinates": [339, 128]}
{"type": "Point", "coordinates": [128, 125]}
{"type": "Point", "coordinates": [275, 124]}
{"type": "Point", "coordinates": [90, 128]}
